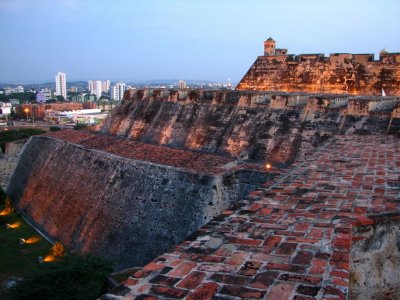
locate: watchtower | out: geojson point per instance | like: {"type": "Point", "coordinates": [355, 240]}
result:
{"type": "Point", "coordinates": [269, 47]}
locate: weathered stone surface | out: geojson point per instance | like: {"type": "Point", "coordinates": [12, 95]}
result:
{"type": "Point", "coordinates": [121, 208]}
{"type": "Point", "coordinates": [375, 261]}
{"type": "Point", "coordinates": [342, 73]}
{"type": "Point", "coordinates": [167, 162]}
{"type": "Point", "coordinates": [275, 127]}
{"type": "Point", "coordinates": [344, 201]}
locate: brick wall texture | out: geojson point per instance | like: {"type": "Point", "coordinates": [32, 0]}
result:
{"type": "Point", "coordinates": [291, 240]}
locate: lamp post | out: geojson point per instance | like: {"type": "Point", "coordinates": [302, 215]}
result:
{"type": "Point", "coordinates": [26, 110]}
{"type": "Point", "coordinates": [268, 167]}
{"type": "Point", "coordinates": [33, 117]}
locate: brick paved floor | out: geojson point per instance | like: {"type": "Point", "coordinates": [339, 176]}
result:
{"type": "Point", "coordinates": [204, 163]}
{"type": "Point", "coordinates": [289, 241]}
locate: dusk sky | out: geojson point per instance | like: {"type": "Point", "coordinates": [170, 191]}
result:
{"type": "Point", "coordinates": [180, 39]}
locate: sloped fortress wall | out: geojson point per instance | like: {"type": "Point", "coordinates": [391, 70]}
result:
{"type": "Point", "coordinates": [126, 210]}
{"type": "Point", "coordinates": [275, 127]}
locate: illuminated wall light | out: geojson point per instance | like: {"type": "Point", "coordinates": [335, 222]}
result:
{"type": "Point", "coordinates": [32, 240]}
{"type": "Point", "coordinates": [268, 166]}
{"type": "Point", "coordinates": [5, 212]}
{"type": "Point", "coordinates": [13, 225]}
{"type": "Point", "coordinates": [49, 258]}
{"type": "Point", "coordinates": [8, 208]}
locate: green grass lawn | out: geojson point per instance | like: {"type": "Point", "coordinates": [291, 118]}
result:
{"type": "Point", "coordinates": [15, 259]}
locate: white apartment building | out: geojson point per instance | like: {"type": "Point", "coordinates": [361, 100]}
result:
{"type": "Point", "coordinates": [90, 86]}
{"type": "Point", "coordinates": [106, 86]}
{"type": "Point", "coordinates": [98, 89]}
{"type": "Point", "coordinates": [61, 85]}
{"type": "Point", "coordinates": [117, 91]}
{"type": "Point", "coordinates": [182, 84]}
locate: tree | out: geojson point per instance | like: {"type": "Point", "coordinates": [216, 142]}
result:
{"type": "Point", "coordinates": [60, 98]}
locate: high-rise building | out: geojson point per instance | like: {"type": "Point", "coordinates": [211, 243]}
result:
{"type": "Point", "coordinates": [90, 86]}
{"type": "Point", "coordinates": [106, 86]}
{"type": "Point", "coordinates": [98, 89]}
{"type": "Point", "coordinates": [61, 85]}
{"type": "Point", "coordinates": [117, 91]}
{"type": "Point", "coordinates": [182, 85]}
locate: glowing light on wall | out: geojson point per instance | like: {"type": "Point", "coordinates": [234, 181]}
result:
{"type": "Point", "coordinates": [49, 258]}
{"type": "Point", "coordinates": [13, 225]}
{"type": "Point", "coordinates": [32, 240]}
{"type": "Point", "coordinates": [8, 208]}
{"type": "Point", "coordinates": [5, 212]}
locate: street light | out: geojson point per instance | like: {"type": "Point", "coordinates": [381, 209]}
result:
{"type": "Point", "coordinates": [26, 110]}
{"type": "Point", "coordinates": [33, 117]}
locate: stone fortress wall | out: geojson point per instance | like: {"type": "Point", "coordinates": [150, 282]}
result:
{"type": "Point", "coordinates": [320, 224]}
{"type": "Point", "coordinates": [340, 73]}
{"type": "Point", "coordinates": [166, 162]}
{"type": "Point", "coordinates": [125, 209]}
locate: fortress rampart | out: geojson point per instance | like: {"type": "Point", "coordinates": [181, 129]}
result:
{"type": "Point", "coordinates": [339, 73]}
{"type": "Point", "coordinates": [100, 195]}
{"type": "Point", "coordinates": [167, 162]}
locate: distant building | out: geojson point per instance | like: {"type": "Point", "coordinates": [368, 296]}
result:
{"type": "Point", "coordinates": [40, 97]}
{"type": "Point", "coordinates": [14, 101]}
{"type": "Point", "coordinates": [39, 109]}
{"type": "Point", "coordinates": [19, 89]}
{"type": "Point", "coordinates": [106, 86]}
{"type": "Point", "coordinates": [5, 108]}
{"type": "Point", "coordinates": [98, 88]}
{"type": "Point", "coordinates": [182, 84]}
{"type": "Point", "coordinates": [9, 90]}
{"type": "Point", "coordinates": [90, 86]}
{"type": "Point", "coordinates": [117, 91]}
{"type": "Point", "coordinates": [85, 116]}
{"type": "Point", "coordinates": [61, 85]}
{"type": "Point", "coordinates": [43, 95]}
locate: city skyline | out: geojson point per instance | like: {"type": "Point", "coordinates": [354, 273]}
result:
{"type": "Point", "coordinates": [135, 41]}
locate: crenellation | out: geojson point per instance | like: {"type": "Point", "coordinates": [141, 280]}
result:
{"type": "Point", "coordinates": [364, 106]}
{"type": "Point", "coordinates": [274, 100]}
{"type": "Point", "coordinates": [339, 73]}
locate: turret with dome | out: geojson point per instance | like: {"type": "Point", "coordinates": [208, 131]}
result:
{"type": "Point", "coordinates": [270, 49]}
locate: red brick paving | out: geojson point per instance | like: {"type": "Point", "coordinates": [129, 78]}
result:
{"type": "Point", "coordinates": [188, 160]}
{"type": "Point", "coordinates": [303, 225]}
